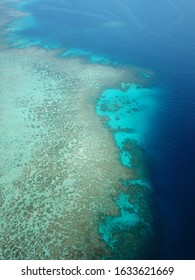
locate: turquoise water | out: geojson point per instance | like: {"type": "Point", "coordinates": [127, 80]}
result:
{"type": "Point", "coordinates": [150, 120]}
{"type": "Point", "coordinates": [127, 219]}
{"type": "Point", "coordinates": [130, 111]}
{"type": "Point", "coordinates": [127, 113]}
{"type": "Point", "coordinates": [117, 188]}
{"type": "Point", "coordinates": [87, 54]}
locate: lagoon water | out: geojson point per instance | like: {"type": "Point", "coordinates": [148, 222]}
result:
{"type": "Point", "coordinates": [150, 118]}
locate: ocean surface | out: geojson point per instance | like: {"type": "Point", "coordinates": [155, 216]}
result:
{"type": "Point", "coordinates": [155, 35]}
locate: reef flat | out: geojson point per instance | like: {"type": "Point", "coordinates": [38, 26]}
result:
{"type": "Point", "coordinates": [64, 191]}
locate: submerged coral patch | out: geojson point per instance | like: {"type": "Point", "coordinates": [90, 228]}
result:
{"type": "Point", "coordinates": [73, 173]}
{"type": "Point", "coordinates": [60, 166]}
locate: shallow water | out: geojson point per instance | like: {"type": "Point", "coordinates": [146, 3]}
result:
{"type": "Point", "coordinates": [61, 178]}
{"type": "Point", "coordinates": [150, 117]}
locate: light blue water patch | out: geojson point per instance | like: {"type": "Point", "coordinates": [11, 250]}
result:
{"type": "Point", "coordinates": [120, 138]}
{"type": "Point", "coordinates": [25, 4]}
{"type": "Point", "coordinates": [126, 158]}
{"type": "Point", "coordinates": [22, 43]}
{"type": "Point", "coordinates": [94, 58]}
{"type": "Point", "coordinates": [127, 219]}
{"type": "Point", "coordinates": [102, 59]}
{"type": "Point", "coordinates": [145, 75]}
{"type": "Point", "coordinates": [142, 182]}
{"type": "Point", "coordinates": [21, 24]}
{"type": "Point", "coordinates": [75, 52]}
{"type": "Point", "coordinates": [129, 111]}
{"type": "Point", "coordinates": [124, 204]}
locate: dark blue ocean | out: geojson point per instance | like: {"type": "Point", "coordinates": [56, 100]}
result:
{"type": "Point", "coordinates": [159, 35]}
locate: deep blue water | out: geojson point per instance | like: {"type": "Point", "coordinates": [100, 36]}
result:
{"type": "Point", "coordinates": [158, 35]}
